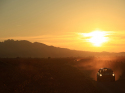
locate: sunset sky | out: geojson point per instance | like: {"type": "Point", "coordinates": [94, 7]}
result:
{"type": "Point", "coordinates": [65, 23]}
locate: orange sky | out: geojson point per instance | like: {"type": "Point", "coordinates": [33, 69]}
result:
{"type": "Point", "coordinates": [61, 22]}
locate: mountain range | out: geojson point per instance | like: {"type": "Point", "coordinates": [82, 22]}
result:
{"type": "Point", "coordinates": [23, 48]}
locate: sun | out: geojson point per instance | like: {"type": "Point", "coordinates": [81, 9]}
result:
{"type": "Point", "coordinates": [97, 38]}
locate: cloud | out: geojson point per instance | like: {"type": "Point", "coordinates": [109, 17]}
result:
{"type": "Point", "coordinates": [75, 40]}
{"type": "Point", "coordinates": [113, 44]}
{"type": "Point", "coordinates": [50, 39]}
{"type": "Point", "coordinates": [69, 40]}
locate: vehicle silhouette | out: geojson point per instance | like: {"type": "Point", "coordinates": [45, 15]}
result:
{"type": "Point", "coordinates": [105, 74]}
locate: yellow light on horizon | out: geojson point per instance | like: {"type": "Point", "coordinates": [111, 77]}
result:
{"type": "Point", "coordinates": [97, 38]}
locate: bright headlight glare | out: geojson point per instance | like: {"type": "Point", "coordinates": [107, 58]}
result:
{"type": "Point", "coordinates": [100, 74]}
{"type": "Point", "coordinates": [113, 74]}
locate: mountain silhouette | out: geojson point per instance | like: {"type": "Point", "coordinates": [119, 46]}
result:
{"type": "Point", "coordinates": [24, 48]}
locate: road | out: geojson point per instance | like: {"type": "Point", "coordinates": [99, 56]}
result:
{"type": "Point", "coordinates": [53, 76]}
{"type": "Point", "coordinates": [104, 87]}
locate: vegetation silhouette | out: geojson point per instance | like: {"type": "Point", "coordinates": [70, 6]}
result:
{"type": "Point", "coordinates": [57, 75]}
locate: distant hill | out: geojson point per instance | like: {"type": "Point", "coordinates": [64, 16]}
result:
{"type": "Point", "coordinates": [23, 48]}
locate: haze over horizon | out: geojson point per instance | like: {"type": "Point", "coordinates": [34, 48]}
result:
{"type": "Point", "coordinates": [65, 23]}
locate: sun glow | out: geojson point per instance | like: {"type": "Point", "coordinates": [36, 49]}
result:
{"type": "Point", "coordinates": [97, 38]}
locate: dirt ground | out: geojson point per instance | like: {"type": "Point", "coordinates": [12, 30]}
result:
{"type": "Point", "coordinates": [59, 75]}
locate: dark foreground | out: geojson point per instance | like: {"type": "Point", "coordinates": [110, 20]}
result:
{"type": "Point", "coordinates": [64, 75]}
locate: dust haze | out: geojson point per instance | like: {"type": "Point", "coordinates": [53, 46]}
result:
{"type": "Point", "coordinates": [91, 65]}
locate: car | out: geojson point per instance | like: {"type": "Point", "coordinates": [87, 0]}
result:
{"type": "Point", "coordinates": [105, 74]}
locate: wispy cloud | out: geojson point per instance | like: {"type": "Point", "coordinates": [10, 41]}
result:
{"type": "Point", "coordinates": [75, 40]}
{"type": "Point", "coordinates": [62, 38]}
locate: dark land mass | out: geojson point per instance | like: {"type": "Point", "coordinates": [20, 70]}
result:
{"type": "Point", "coordinates": [25, 49]}
{"type": "Point", "coordinates": [59, 75]}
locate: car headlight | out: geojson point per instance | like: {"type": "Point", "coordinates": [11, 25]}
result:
{"type": "Point", "coordinates": [113, 74]}
{"type": "Point", "coordinates": [100, 75]}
